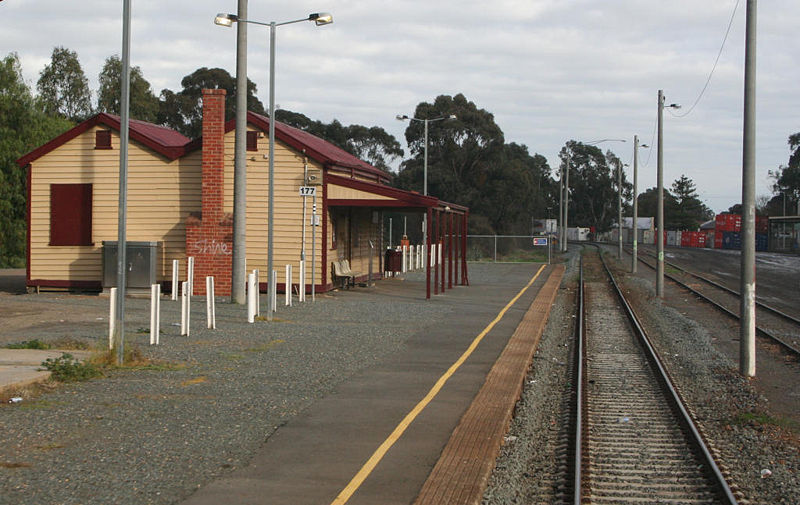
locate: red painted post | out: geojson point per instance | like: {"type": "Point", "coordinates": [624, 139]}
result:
{"type": "Point", "coordinates": [464, 228]}
{"type": "Point", "coordinates": [456, 243]}
{"type": "Point", "coordinates": [436, 257]}
{"type": "Point", "coordinates": [450, 253]}
{"type": "Point", "coordinates": [427, 255]}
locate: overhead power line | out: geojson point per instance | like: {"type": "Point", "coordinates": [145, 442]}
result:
{"type": "Point", "coordinates": [713, 68]}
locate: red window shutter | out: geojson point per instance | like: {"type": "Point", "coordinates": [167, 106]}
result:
{"type": "Point", "coordinates": [70, 214]}
{"type": "Point", "coordinates": [102, 139]}
{"type": "Point", "coordinates": [252, 141]}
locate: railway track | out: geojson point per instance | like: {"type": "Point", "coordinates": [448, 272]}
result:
{"type": "Point", "coordinates": [634, 441]}
{"type": "Point", "coordinates": [772, 324]}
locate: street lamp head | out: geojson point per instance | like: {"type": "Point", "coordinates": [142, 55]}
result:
{"type": "Point", "coordinates": [321, 18]}
{"type": "Point", "coordinates": [645, 146]}
{"type": "Point", "coordinates": [674, 106]}
{"type": "Point", "coordinates": [401, 118]}
{"type": "Point", "coordinates": [223, 19]}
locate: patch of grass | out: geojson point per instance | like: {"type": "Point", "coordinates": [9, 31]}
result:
{"type": "Point", "coordinates": [66, 368]}
{"type": "Point", "coordinates": [49, 447]}
{"type": "Point", "coordinates": [132, 359]}
{"type": "Point", "coordinates": [265, 347]}
{"type": "Point", "coordinates": [196, 380]}
{"type": "Point", "coordinates": [764, 419]}
{"type": "Point", "coordinates": [29, 344]}
{"type": "Point", "coordinates": [14, 464]}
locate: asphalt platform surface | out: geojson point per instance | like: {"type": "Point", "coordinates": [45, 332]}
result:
{"type": "Point", "coordinates": [281, 412]}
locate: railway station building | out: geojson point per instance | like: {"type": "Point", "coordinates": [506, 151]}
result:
{"type": "Point", "coordinates": [180, 204]}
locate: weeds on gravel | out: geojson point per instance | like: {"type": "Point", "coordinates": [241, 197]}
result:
{"type": "Point", "coordinates": [132, 359]}
{"type": "Point", "coordinates": [745, 418]}
{"type": "Point", "coordinates": [66, 368]}
{"type": "Point", "coordinates": [29, 344]}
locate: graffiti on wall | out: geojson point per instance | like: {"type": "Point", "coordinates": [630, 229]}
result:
{"type": "Point", "coordinates": [212, 247]}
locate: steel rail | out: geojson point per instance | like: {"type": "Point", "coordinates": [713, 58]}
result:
{"type": "Point", "coordinates": [579, 396]}
{"type": "Point", "coordinates": [762, 305]}
{"type": "Point", "coordinates": [761, 331]}
{"type": "Point", "coordinates": [677, 401]}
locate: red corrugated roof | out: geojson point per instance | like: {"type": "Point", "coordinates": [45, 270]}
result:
{"type": "Point", "coordinates": [164, 141]}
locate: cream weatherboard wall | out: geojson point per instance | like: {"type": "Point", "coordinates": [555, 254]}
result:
{"type": "Point", "coordinates": [161, 194]}
{"type": "Point", "coordinates": [288, 209]}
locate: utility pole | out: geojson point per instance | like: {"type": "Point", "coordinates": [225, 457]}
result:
{"type": "Point", "coordinates": [660, 211]}
{"type": "Point", "coordinates": [634, 226]}
{"type": "Point", "coordinates": [561, 209]}
{"type": "Point", "coordinates": [239, 256]}
{"type": "Point", "coordinates": [747, 330]}
{"type": "Point", "coordinates": [619, 209]}
{"type": "Point", "coordinates": [566, 201]}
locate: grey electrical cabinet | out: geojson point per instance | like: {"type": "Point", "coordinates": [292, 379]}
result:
{"type": "Point", "coordinates": [141, 259]}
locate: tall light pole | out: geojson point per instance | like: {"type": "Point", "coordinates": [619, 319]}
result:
{"type": "Point", "coordinates": [635, 229]}
{"type": "Point", "coordinates": [660, 210]}
{"type": "Point", "coordinates": [747, 330]}
{"type": "Point", "coordinates": [124, 136]}
{"type": "Point", "coordinates": [424, 167]}
{"type": "Point", "coordinates": [319, 19]}
{"type": "Point", "coordinates": [238, 258]}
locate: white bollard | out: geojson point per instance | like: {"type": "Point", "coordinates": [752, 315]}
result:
{"type": "Point", "coordinates": [273, 290]}
{"type": "Point", "coordinates": [257, 291]}
{"type": "Point", "coordinates": [185, 305]}
{"type": "Point", "coordinates": [112, 316]}
{"type": "Point", "coordinates": [190, 274]}
{"type": "Point", "coordinates": [288, 288]}
{"type": "Point", "coordinates": [403, 251]}
{"type": "Point", "coordinates": [301, 284]}
{"type": "Point", "coordinates": [251, 298]}
{"type": "Point", "coordinates": [175, 267]}
{"type": "Point", "coordinates": [419, 256]}
{"type": "Point", "coordinates": [155, 313]}
{"type": "Point", "coordinates": [439, 254]}
{"type": "Point", "coordinates": [211, 309]}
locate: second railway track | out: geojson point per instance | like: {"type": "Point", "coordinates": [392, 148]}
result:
{"type": "Point", "coordinates": [772, 324]}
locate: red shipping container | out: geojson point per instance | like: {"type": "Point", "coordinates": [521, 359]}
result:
{"type": "Point", "coordinates": [686, 239]}
{"type": "Point", "coordinates": [718, 240]}
{"type": "Point", "coordinates": [762, 224]}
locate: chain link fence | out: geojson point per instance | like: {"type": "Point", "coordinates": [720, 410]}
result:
{"type": "Point", "coordinates": [508, 248]}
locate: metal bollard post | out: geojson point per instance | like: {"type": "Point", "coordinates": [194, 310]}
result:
{"type": "Point", "coordinates": [155, 313]}
{"type": "Point", "coordinates": [211, 309]}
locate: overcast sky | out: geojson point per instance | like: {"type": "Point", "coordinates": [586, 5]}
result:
{"type": "Point", "coordinates": [549, 70]}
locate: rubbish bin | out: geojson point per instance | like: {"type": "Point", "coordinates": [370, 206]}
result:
{"type": "Point", "coordinates": [393, 261]}
{"type": "Point", "coordinates": [141, 259]}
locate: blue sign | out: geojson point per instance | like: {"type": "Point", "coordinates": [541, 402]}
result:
{"type": "Point", "coordinates": [539, 241]}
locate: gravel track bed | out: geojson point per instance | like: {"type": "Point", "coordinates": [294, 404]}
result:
{"type": "Point", "coordinates": [529, 469]}
{"type": "Point", "coordinates": [719, 398]}
{"type": "Point", "coordinates": [154, 436]}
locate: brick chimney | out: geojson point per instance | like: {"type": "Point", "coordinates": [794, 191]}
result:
{"type": "Point", "coordinates": [209, 236]}
{"type": "Point", "coordinates": [213, 191]}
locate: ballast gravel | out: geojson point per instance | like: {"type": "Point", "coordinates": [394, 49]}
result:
{"type": "Point", "coordinates": [761, 460]}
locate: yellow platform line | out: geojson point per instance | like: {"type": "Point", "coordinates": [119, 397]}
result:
{"type": "Point", "coordinates": [387, 444]}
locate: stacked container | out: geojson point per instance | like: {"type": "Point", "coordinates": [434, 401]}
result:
{"type": "Point", "coordinates": [693, 239]}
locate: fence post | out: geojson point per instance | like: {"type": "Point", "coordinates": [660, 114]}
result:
{"type": "Point", "coordinates": [251, 297]}
{"type": "Point", "coordinates": [112, 316]}
{"type": "Point", "coordinates": [211, 309]}
{"type": "Point", "coordinates": [175, 267]}
{"type": "Point", "coordinates": [155, 312]}
{"type": "Point", "coordinates": [185, 306]}
{"type": "Point", "coordinates": [288, 289]}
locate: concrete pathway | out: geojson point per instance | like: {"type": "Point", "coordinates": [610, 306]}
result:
{"type": "Point", "coordinates": [22, 367]}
